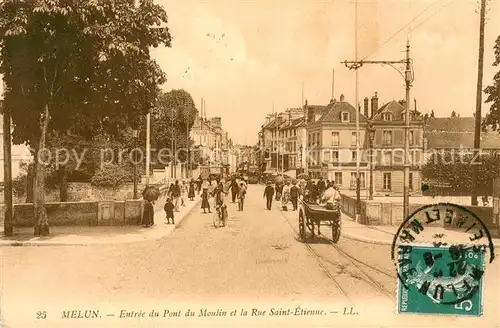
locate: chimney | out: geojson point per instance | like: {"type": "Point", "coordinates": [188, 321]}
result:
{"type": "Point", "coordinates": [374, 104]}
{"type": "Point", "coordinates": [366, 100]}
{"type": "Point", "coordinates": [342, 97]}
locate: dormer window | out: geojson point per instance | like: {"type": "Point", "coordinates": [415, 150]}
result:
{"type": "Point", "coordinates": [344, 116]}
{"type": "Point", "coordinates": [387, 116]}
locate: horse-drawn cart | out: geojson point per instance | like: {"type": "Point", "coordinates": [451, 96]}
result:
{"type": "Point", "coordinates": [313, 215]}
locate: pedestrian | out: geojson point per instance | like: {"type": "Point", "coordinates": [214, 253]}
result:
{"type": "Point", "coordinates": [294, 195]}
{"type": "Point", "coordinates": [198, 184]}
{"type": "Point", "coordinates": [268, 194]}
{"type": "Point", "coordinates": [184, 190]}
{"type": "Point", "coordinates": [176, 195]}
{"type": "Point", "coordinates": [321, 186]}
{"type": "Point", "coordinates": [170, 190]}
{"type": "Point", "coordinates": [205, 204]}
{"type": "Point", "coordinates": [191, 190]}
{"type": "Point", "coordinates": [169, 211]}
{"type": "Point", "coordinates": [148, 214]}
{"type": "Point", "coordinates": [234, 189]}
{"type": "Point", "coordinates": [279, 188]}
{"type": "Point", "coordinates": [331, 197]}
{"type": "Point", "coordinates": [285, 196]}
{"type": "Point", "coordinates": [242, 190]}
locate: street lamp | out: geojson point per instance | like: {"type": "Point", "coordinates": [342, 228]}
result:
{"type": "Point", "coordinates": [301, 148]}
{"type": "Point", "coordinates": [135, 134]}
{"type": "Point", "coordinates": [371, 135]}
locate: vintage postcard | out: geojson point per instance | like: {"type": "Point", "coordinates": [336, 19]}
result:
{"type": "Point", "coordinates": [257, 163]}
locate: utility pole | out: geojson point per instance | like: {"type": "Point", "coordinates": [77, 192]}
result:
{"type": "Point", "coordinates": [358, 182]}
{"type": "Point", "coordinates": [408, 77]}
{"type": "Point", "coordinates": [172, 161]}
{"type": "Point", "coordinates": [148, 146]}
{"type": "Point", "coordinates": [7, 171]}
{"type": "Point", "coordinates": [479, 94]}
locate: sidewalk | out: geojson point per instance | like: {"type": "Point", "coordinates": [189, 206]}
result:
{"type": "Point", "coordinates": [384, 235]}
{"type": "Point", "coordinates": [82, 236]}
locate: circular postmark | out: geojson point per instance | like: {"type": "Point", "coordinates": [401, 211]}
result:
{"type": "Point", "coordinates": [440, 252]}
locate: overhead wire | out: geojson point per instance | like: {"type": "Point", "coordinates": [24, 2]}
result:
{"type": "Point", "coordinates": [408, 24]}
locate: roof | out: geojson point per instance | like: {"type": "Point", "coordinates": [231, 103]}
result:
{"type": "Point", "coordinates": [450, 124]}
{"type": "Point", "coordinates": [456, 140]}
{"type": "Point", "coordinates": [334, 109]}
{"type": "Point", "coordinates": [392, 107]}
{"type": "Point", "coordinates": [294, 123]}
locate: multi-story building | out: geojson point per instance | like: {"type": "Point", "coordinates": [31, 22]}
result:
{"type": "Point", "coordinates": [389, 124]}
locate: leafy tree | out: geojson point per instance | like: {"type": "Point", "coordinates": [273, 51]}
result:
{"type": "Point", "coordinates": [455, 170]}
{"type": "Point", "coordinates": [453, 114]}
{"type": "Point", "coordinates": [75, 65]}
{"type": "Point", "coordinates": [432, 113]}
{"type": "Point", "coordinates": [493, 91]}
{"type": "Point", "coordinates": [175, 108]}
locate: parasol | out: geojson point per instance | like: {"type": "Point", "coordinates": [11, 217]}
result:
{"type": "Point", "coordinates": [151, 193]}
{"type": "Point", "coordinates": [304, 176]}
{"type": "Point", "coordinates": [279, 179]}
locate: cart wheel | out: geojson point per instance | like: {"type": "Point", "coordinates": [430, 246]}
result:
{"type": "Point", "coordinates": [336, 230]}
{"type": "Point", "coordinates": [302, 231]}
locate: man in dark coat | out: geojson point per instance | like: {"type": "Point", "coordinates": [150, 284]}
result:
{"type": "Point", "coordinates": [234, 189]}
{"type": "Point", "coordinates": [321, 186]}
{"type": "Point", "coordinates": [268, 194]}
{"type": "Point", "coordinates": [294, 196]}
{"type": "Point", "coordinates": [148, 214]}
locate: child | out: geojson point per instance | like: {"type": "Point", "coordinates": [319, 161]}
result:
{"type": "Point", "coordinates": [169, 211]}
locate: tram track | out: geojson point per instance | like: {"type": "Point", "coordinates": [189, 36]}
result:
{"type": "Point", "coordinates": [350, 259]}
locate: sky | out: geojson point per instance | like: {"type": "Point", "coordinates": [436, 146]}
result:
{"type": "Point", "coordinates": [243, 57]}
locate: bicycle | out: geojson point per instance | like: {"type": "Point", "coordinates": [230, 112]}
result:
{"type": "Point", "coordinates": [220, 216]}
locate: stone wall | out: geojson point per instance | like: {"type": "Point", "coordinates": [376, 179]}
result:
{"type": "Point", "coordinates": [380, 213]}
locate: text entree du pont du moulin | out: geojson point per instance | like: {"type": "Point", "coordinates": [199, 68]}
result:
{"type": "Point", "coordinates": [298, 311]}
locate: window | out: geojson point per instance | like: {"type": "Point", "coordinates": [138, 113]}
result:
{"type": "Point", "coordinates": [387, 137]}
{"type": "Point", "coordinates": [387, 158]}
{"type": "Point", "coordinates": [353, 138]}
{"type": "Point", "coordinates": [309, 140]}
{"type": "Point", "coordinates": [335, 156]}
{"type": "Point", "coordinates": [354, 155]}
{"type": "Point", "coordinates": [335, 139]}
{"type": "Point", "coordinates": [313, 139]}
{"type": "Point", "coordinates": [338, 178]}
{"type": "Point", "coordinates": [410, 183]}
{"type": "Point", "coordinates": [294, 146]}
{"type": "Point", "coordinates": [326, 157]}
{"type": "Point", "coordinates": [387, 181]}
{"type": "Point", "coordinates": [411, 139]}
{"type": "Point", "coordinates": [361, 180]}
{"type": "Point", "coordinates": [387, 116]}
{"type": "Point", "coordinates": [317, 139]}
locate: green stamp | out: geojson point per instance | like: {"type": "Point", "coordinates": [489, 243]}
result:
{"type": "Point", "coordinates": [440, 280]}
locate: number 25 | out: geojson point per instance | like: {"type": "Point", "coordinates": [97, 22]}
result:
{"type": "Point", "coordinates": [41, 314]}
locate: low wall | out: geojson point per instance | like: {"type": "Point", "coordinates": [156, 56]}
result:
{"type": "Point", "coordinates": [379, 213]}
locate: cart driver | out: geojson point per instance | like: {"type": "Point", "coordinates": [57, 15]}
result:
{"type": "Point", "coordinates": [331, 196]}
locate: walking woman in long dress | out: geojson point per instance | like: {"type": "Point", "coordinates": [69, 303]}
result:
{"type": "Point", "coordinates": [191, 190]}
{"type": "Point", "coordinates": [205, 204]}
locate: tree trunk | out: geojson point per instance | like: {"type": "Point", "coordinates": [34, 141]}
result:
{"type": "Point", "coordinates": [39, 211]}
{"type": "Point", "coordinates": [63, 184]}
{"type": "Point", "coordinates": [29, 183]}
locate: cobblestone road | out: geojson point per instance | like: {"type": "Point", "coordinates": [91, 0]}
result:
{"type": "Point", "coordinates": [255, 258]}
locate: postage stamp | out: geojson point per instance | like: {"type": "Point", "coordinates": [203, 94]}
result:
{"type": "Point", "coordinates": [440, 252]}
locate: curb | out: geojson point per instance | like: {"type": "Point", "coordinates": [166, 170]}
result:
{"type": "Point", "coordinates": [44, 244]}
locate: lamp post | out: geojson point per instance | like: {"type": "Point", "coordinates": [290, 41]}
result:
{"type": "Point", "coordinates": [135, 134]}
{"type": "Point", "coordinates": [371, 135]}
{"type": "Point", "coordinates": [301, 148]}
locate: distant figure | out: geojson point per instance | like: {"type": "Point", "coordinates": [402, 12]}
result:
{"type": "Point", "coordinates": [184, 190]}
{"type": "Point", "coordinates": [285, 196]}
{"type": "Point", "coordinates": [268, 194]}
{"type": "Point", "coordinates": [234, 189]}
{"type": "Point", "coordinates": [485, 201]}
{"type": "Point", "coordinates": [294, 196]}
{"type": "Point", "coordinates": [205, 204]}
{"type": "Point", "coordinates": [199, 181]}
{"type": "Point", "coordinates": [169, 211]}
{"type": "Point", "coordinates": [191, 190]}
{"type": "Point", "coordinates": [148, 214]}
{"type": "Point", "coordinates": [279, 188]}
{"type": "Point", "coordinates": [331, 197]}
{"type": "Point", "coordinates": [242, 190]}
{"type": "Point", "coordinates": [176, 195]}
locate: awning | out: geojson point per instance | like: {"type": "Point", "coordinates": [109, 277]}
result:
{"type": "Point", "coordinates": [291, 173]}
